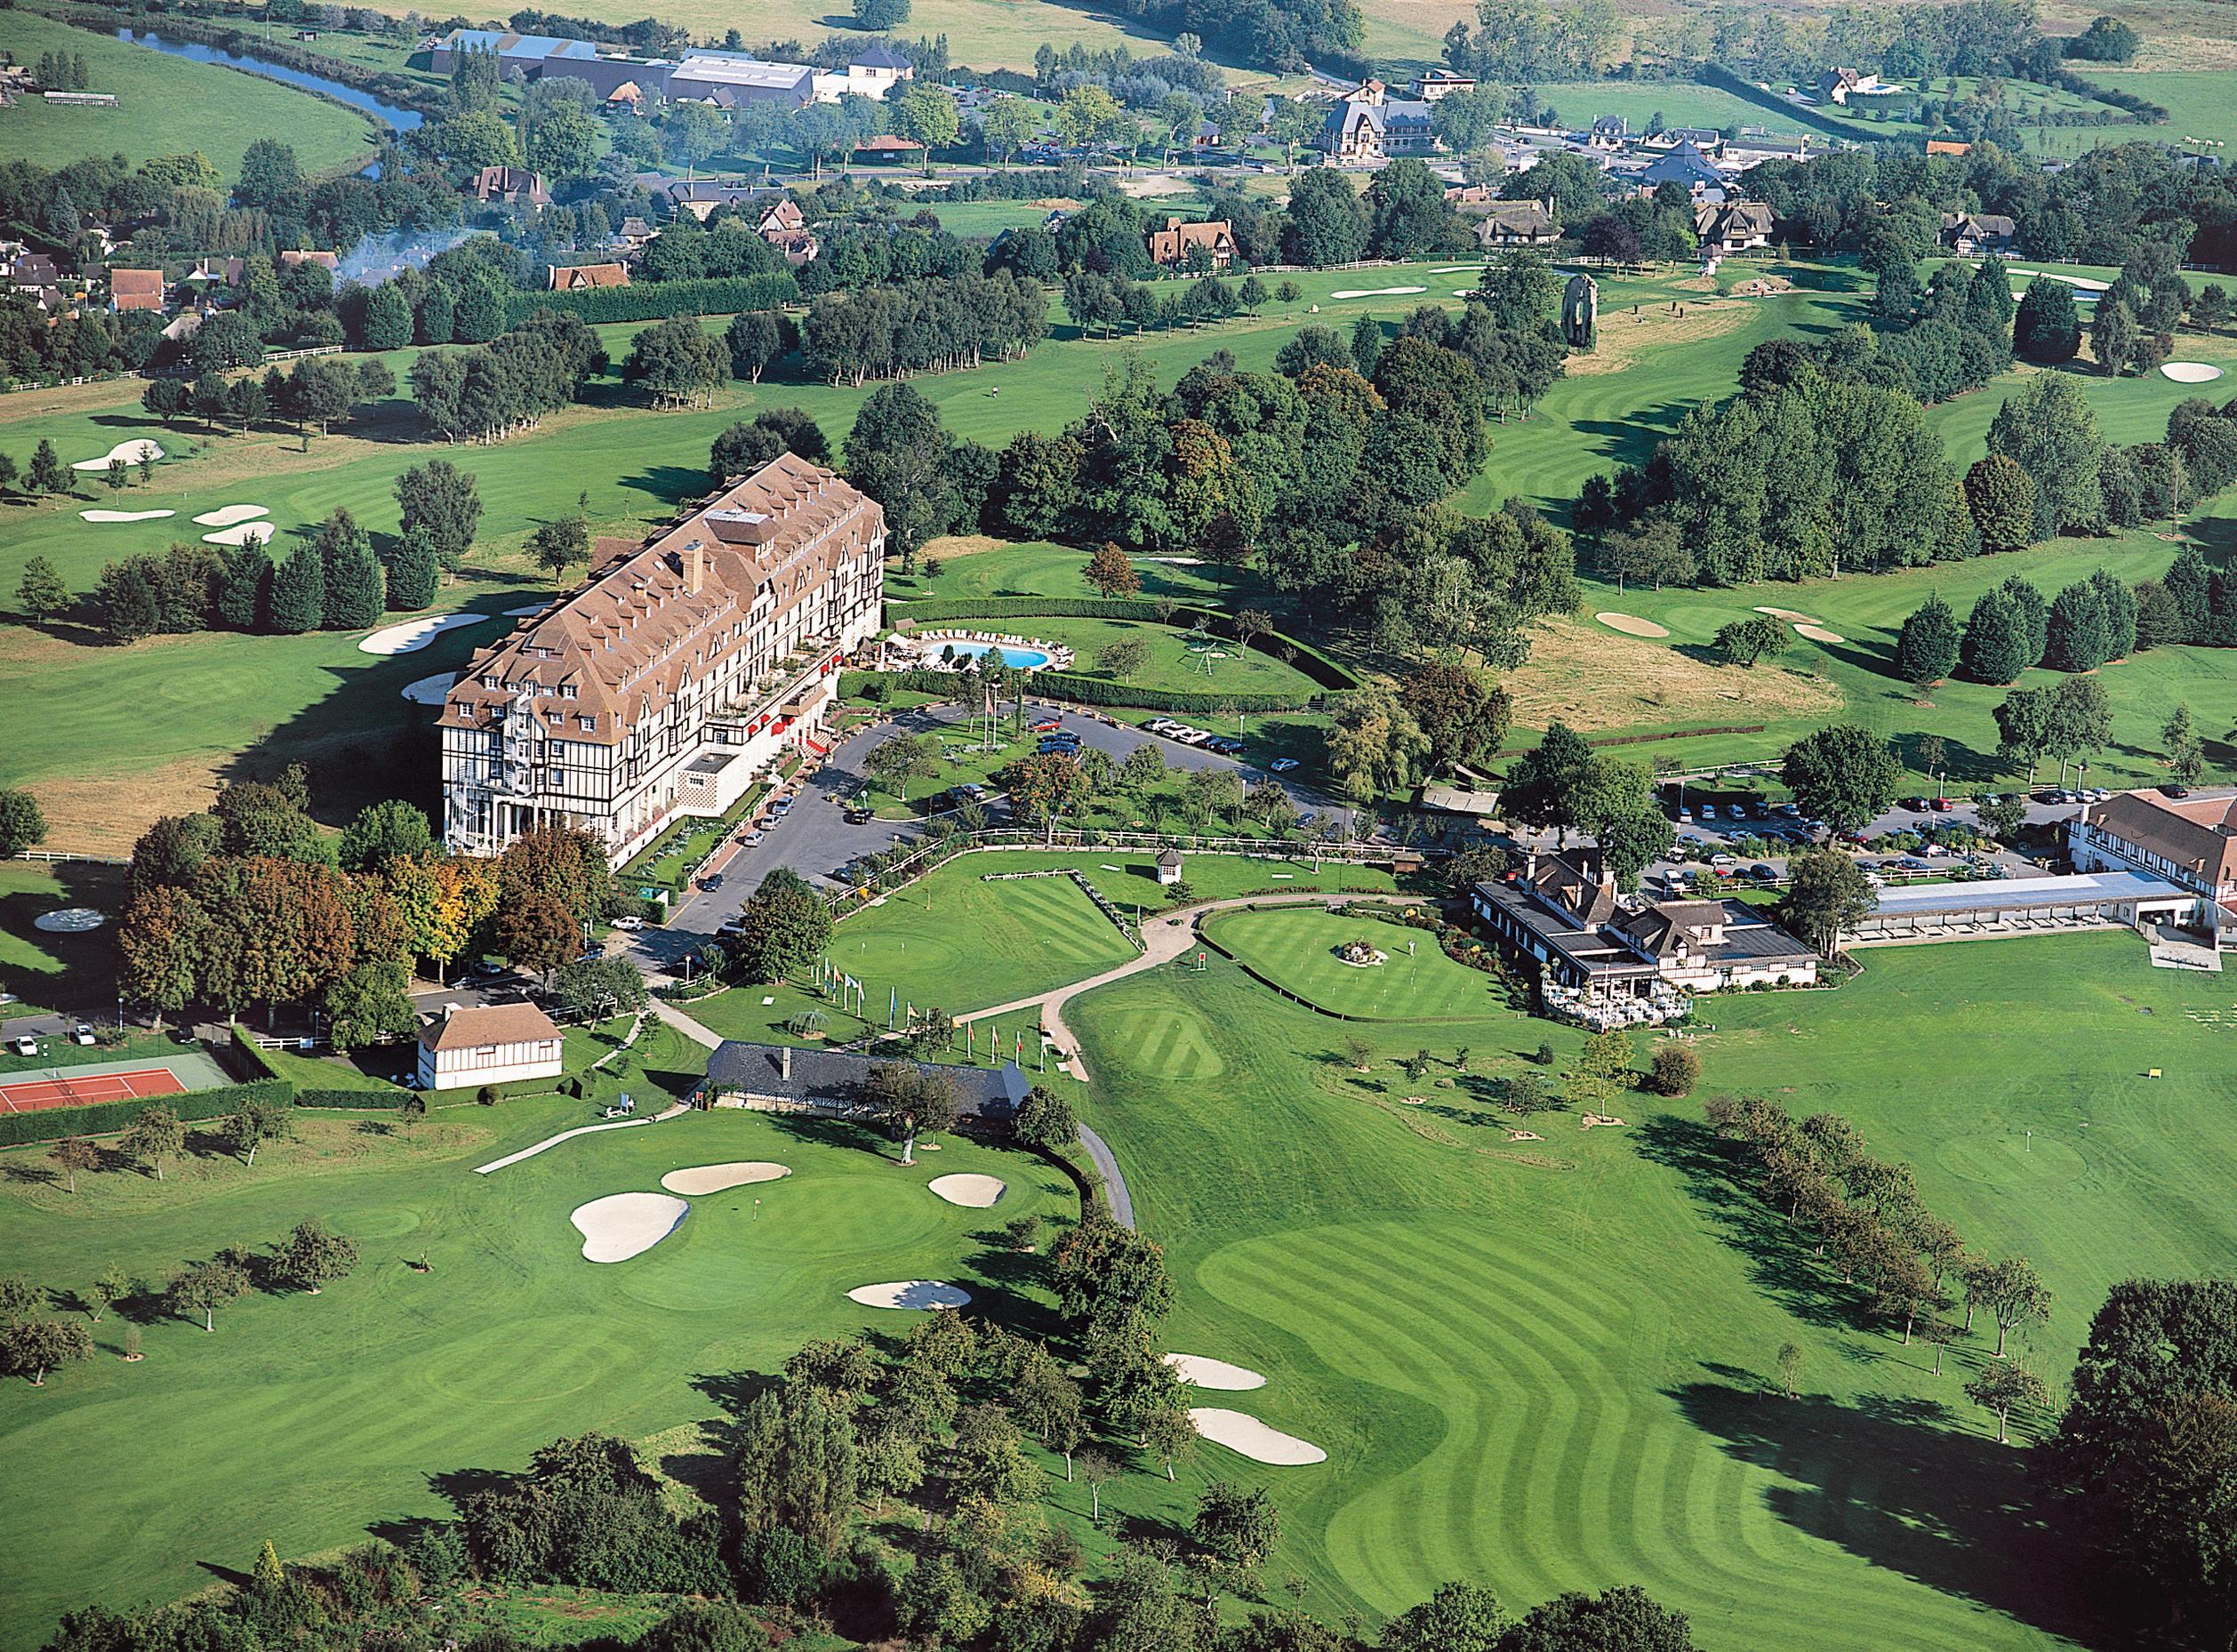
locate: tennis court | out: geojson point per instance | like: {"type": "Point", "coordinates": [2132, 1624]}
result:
{"type": "Point", "coordinates": [107, 1081]}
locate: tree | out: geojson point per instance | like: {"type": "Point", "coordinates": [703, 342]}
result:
{"type": "Point", "coordinates": [22, 822]}
{"type": "Point", "coordinates": [1374, 744]}
{"type": "Point", "coordinates": [205, 1288]}
{"type": "Point", "coordinates": [1325, 222]}
{"type": "Point", "coordinates": [926, 112]}
{"type": "Point", "coordinates": [40, 593]}
{"type": "Point", "coordinates": [1927, 646]}
{"type": "Point", "coordinates": [1458, 1618]}
{"type": "Point", "coordinates": [1843, 775]}
{"type": "Point", "coordinates": [674, 362]}
{"type": "Point", "coordinates": [2048, 430]}
{"type": "Point", "coordinates": [1625, 1619]}
{"type": "Point", "coordinates": [444, 501]}
{"type": "Point", "coordinates": [415, 572]}
{"type": "Point", "coordinates": [111, 1285]}
{"type": "Point", "coordinates": [74, 1153]}
{"type": "Point", "coordinates": [1045, 1120]}
{"type": "Point", "coordinates": [596, 988]}
{"type": "Point", "coordinates": [1463, 716]}
{"type": "Point", "coordinates": [299, 592]}
{"type": "Point", "coordinates": [912, 1101]}
{"type": "Point", "coordinates": [1790, 1369]}
{"type": "Point", "coordinates": [368, 1002]}
{"type": "Point", "coordinates": [1827, 895]}
{"type": "Point", "coordinates": [2113, 337]}
{"type": "Point", "coordinates": [899, 455]}
{"type": "Point", "coordinates": [1123, 658]}
{"type": "Point", "coordinates": [2046, 328]}
{"type": "Point", "coordinates": [386, 323]}
{"type": "Point", "coordinates": [2013, 1294]}
{"type": "Point", "coordinates": [1007, 125]}
{"type": "Point", "coordinates": [1367, 345]}
{"type": "Point", "coordinates": [1674, 1070]}
{"type": "Point", "coordinates": [561, 544]}
{"type": "Point", "coordinates": [259, 1120]}
{"type": "Point", "coordinates": [314, 1255]}
{"type": "Point", "coordinates": [34, 1347]}
{"type": "Point", "coordinates": [2080, 723]}
{"type": "Point", "coordinates": [349, 576]}
{"type": "Point", "coordinates": [1744, 642]}
{"type": "Point", "coordinates": [755, 338]}
{"type": "Point", "coordinates": [153, 1136]}
{"type": "Point", "coordinates": [2002, 501]}
{"type": "Point", "coordinates": [2078, 638]}
{"type": "Point", "coordinates": [1110, 571]}
{"type": "Point", "coordinates": [894, 762]}
{"type": "Point", "coordinates": [2002, 1386]}
{"type": "Point", "coordinates": [47, 473]}
{"type": "Point", "coordinates": [1995, 649]}
{"type": "Point", "coordinates": [786, 928]}
{"type": "Point", "coordinates": [1236, 1530]}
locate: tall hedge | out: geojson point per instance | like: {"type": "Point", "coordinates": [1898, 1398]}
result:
{"type": "Point", "coordinates": [657, 301]}
{"type": "Point", "coordinates": [1097, 690]}
{"type": "Point", "coordinates": [52, 1123]}
{"type": "Point", "coordinates": [939, 610]}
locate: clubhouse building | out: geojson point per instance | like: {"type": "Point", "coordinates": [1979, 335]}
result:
{"type": "Point", "coordinates": [2189, 844]}
{"type": "Point", "coordinates": [686, 666]}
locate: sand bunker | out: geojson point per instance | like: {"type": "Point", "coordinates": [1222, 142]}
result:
{"type": "Point", "coordinates": [131, 452]}
{"type": "Point", "coordinates": [125, 515]}
{"type": "Point", "coordinates": [976, 1191]}
{"type": "Point", "coordinates": [522, 613]}
{"type": "Point", "coordinates": [1454, 270]}
{"type": "Point", "coordinates": [1252, 1438]}
{"type": "Point", "coordinates": [1376, 292]}
{"type": "Point", "coordinates": [1213, 1373]}
{"type": "Point", "coordinates": [226, 516]}
{"type": "Point", "coordinates": [1819, 634]}
{"type": "Point", "coordinates": [68, 920]}
{"type": "Point", "coordinates": [429, 691]}
{"type": "Point", "coordinates": [1793, 616]}
{"type": "Point", "coordinates": [714, 1178]}
{"type": "Point", "coordinates": [1631, 625]}
{"type": "Point", "coordinates": [415, 635]}
{"type": "Point", "coordinates": [622, 1225]}
{"type": "Point", "coordinates": [261, 532]}
{"type": "Point", "coordinates": [2190, 372]}
{"type": "Point", "coordinates": [921, 1295]}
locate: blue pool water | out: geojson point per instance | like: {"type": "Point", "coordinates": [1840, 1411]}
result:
{"type": "Point", "coordinates": [1016, 659]}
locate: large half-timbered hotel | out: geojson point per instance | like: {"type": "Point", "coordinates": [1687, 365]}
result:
{"type": "Point", "coordinates": [680, 671]}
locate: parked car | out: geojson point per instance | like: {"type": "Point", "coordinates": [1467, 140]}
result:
{"type": "Point", "coordinates": [1708, 811]}
{"type": "Point", "coordinates": [1943, 806]}
{"type": "Point", "coordinates": [24, 1045]}
{"type": "Point", "coordinates": [1723, 862]}
{"type": "Point", "coordinates": [82, 1033]}
{"type": "Point", "coordinates": [628, 921]}
{"type": "Point", "coordinates": [2098, 794]}
{"type": "Point", "coordinates": [2170, 789]}
{"type": "Point", "coordinates": [1764, 873]}
{"type": "Point", "coordinates": [1791, 811]}
{"type": "Point", "coordinates": [858, 816]}
{"type": "Point", "coordinates": [1047, 724]}
{"type": "Point", "coordinates": [1227, 745]}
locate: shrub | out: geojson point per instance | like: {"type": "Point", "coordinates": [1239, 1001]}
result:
{"type": "Point", "coordinates": [106, 1118]}
{"type": "Point", "coordinates": [660, 301]}
{"type": "Point", "coordinates": [1675, 1069]}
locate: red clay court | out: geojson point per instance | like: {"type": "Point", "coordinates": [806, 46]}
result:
{"type": "Point", "coordinates": [32, 1095]}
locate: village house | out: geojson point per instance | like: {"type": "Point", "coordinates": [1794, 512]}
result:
{"type": "Point", "coordinates": [628, 98]}
{"type": "Point", "coordinates": [1461, 197]}
{"type": "Point", "coordinates": [1521, 223]}
{"type": "Point", "coordinates": [700, 197]}
{"type": "Point", "coordinates": [1432, 84]}
{"type": "Point", "coordinates": [1969, 233]}
{"type": "Point", "coordinates": [1366, 126]}
{"type": "Point", "coordinates": [1747, 149]}
{"type": "Point", "coordinates": [1685, 165]}
{"type": "Point", "coordinates": [330, 262]}
{"type": "Point", "coordinates": [685, 666]}
{"type": "Point", "coordinates": [488, 1044]}
{"type": "Point", "coordinates": [1838, 85]}
{"type": "Point", "coordinates": [1609, 131]}
{"type": "Point", "coordinates": [135, 290]}
{"type": "Point", "coordinates": [873, 74]}
{"type": "Point", "coordinates": [1169, 247]}
{"type": "Point", "coordinates": [583, 277]}
{"type": "Point", "coordinates": [1708, 140]}
{"type": "Point", "coordinates": [1733, 227]}
{"type": "Point", "coordinates": [509, 185]}
{"type": "Point", "coordinates": [889, 149]}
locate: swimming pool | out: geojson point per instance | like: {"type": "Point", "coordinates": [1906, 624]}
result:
{"type": "Point", "coordinates": [1016, 659]}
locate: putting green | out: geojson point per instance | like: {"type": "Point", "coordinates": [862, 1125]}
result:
{"type": "Point", "coordinates": [1296, 947]}
{"type": "Point", "coordinates": [1171, 1044]}
{"type": "Point", "coordinates": [2011, 1161]}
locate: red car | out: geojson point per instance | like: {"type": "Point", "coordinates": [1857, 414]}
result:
{"type": "Point", "coordinates": [1049, 725]}
{"type": "Point", "coordinates": [1943, 806]}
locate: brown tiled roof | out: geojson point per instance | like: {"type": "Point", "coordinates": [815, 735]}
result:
{"type": "Point", "coordinates": [2199, 833]}
{"type": "Point", "coordinates": [325, 260]}
{"type": "Point", "coordinates": [571, 278]}
{"type": "Point", "coordinates": [1663, 926]}
{"type": "Point", "coordinates": [623, 648]}
{"type": "Point", "coordinates": [136, 289]}
{"type": "Point", "coordinates": [1576, 881]}
{"type": "Point", "coordinates": [1171, 243]}
{"type": "Point", "coordinates": [462, 1028]}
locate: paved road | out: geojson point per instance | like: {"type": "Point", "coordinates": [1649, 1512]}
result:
{"type": "Point", "coordinates": [1115, 1190]}
{"type": "Point", "coordinates": [815, 839]}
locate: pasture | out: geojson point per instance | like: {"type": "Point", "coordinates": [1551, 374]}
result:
{"type": "Point", "coordinates": [167, 106]}
{"type": "Point", "coordinates": [1545, 1365]}
{"type": "Point", "coordinates": [311, 1419]}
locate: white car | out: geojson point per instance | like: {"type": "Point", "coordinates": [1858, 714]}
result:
{"type": "Point", "coordinates": [1708, 811]}
{"type": "Point", "coordinates": [81, 1034]}
{"type": "Point", "coordinates": [630, 922]}
{"type": "Point", "coordinates": [24, 1045]}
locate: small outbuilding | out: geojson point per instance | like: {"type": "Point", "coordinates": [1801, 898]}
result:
{"type": "Point", "coordinates": [1169, 866]}
{"type": "Point", "coordinates": [483, 1044]}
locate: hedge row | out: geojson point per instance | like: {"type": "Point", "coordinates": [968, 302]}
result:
{"type": "Point", "coordinates": [937, 610]}
{"type": "Point", "coordinates": [1095, 691]}
{"type": "Point", "coordinates": [253, 1054]}
{"type": "Point", "coordinates": [363, 1101]}
{"type": "Point", "coordinates": [104, 1118]}
{"type": "Point", "coordinates": [656, 300]}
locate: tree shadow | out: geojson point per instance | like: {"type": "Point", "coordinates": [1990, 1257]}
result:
{"type": "Point", "coordinates": [1781, 1259]}
{"type": "Point", "coordinates": [455, 1485]}
{"type": "Point", "coordinates": [672, 482]}
{"type": "Point", "coordinates": [1889, 1479]}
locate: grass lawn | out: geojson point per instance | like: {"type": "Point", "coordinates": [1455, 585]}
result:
{"type": "Point", "coordinates": [2197, 101]}
{"type": "Point", "coordinates": [308, 1419]}
{"type": "Point", "coordinates": [75, 972]}
{"type": "Point", "coordinates": [1297, 950]}
{"type": "Point", "coordinates": [166, 105]}
{"type": "Point", "coordinates": [1545, 1365]}
{"type": "Point", "coordinates": [1679, 102]}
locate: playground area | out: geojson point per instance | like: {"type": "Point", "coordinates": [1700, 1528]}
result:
{"type": "Point", "coordinates": [107, 1081]}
